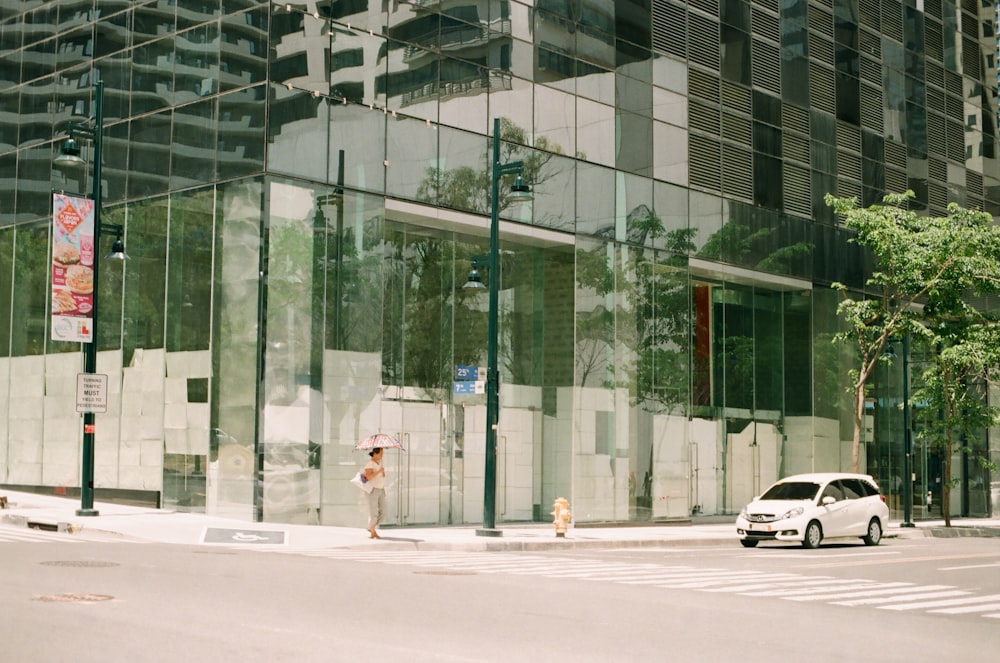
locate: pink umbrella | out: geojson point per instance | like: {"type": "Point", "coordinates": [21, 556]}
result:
{"type": "Point", "coordinates": [379, 441]}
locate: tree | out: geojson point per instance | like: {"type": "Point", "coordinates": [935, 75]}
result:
{"type": "Point", "coordinates": [918, 260]}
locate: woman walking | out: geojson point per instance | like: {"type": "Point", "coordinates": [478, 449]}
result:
{"type": "Point", "coordinates": [375, 473]}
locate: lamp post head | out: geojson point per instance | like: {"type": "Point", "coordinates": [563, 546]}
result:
{"type": "Point", "coordinates": [118, 251]}
{"type": "Point", "coordinates": [70, 156]}
{"type": "Point", "coordinates": [474, 282]}
{"type": "Point", "coordinates": [520, 192]}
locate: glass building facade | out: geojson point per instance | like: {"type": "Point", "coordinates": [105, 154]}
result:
{"type": "Point", "coordinates": [303, 186]}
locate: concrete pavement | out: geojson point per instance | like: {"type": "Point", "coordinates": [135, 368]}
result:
{"type": "Point", "coordinates": [131, 523]}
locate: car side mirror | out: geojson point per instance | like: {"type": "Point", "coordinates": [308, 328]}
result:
{"type": "Point", "coordinates": [828, 500]}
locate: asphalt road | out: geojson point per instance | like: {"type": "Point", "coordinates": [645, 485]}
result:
{"type": "Point", "coordinates": [66, 599]}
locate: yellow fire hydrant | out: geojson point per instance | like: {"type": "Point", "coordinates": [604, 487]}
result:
{"type": "Point", "coordinates": [561, 515]}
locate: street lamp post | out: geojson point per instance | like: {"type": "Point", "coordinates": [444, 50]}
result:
{"type": "Point", "coordinates": [522, 192]}
{"type": "Point", "coordinates": [71, 157]}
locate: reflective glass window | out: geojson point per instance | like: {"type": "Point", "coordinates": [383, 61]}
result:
{"type": "Point", "coordinates": [243, 49]}
{"type": "Point", "coordinates": [189, 271]}
{"type": "Point", "coordinates": [149, 154]}
{"type": "Point", "coordinates": [241, 133]}
{"type": "Point", "coordinates": [463, 94]}
{"type": "Point", "coordinates": [670, 203]}
{"type": "Point", "coordinates": [192, 146]}
{"type": "Point", "coordinates": [595, 132]}
{"type": "Point", "coordinates": [360, 133]}
{"type": "Point", "coordinates": [6, 280]}
{"type": "Point", "coordinates": [145, 276]}
{"type": "Point", "coordinates": [414, 171]}
{"type": "Point", "coordinates": [595, 200]}
{"type": "Point", "coordinates": [635, 143]}
{"type": "Point", "coordinates": [29, 324]}
{"type": "Point", "coordinates": [555, 120]}
{"type": "Point", "coordinates": [297, 119]}
{"type": "Point", "coordinates": [670, 153]}
{"type": "Point", "coordinates": [512, 99]}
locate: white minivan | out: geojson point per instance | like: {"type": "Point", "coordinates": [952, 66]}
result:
{"type": "Point", "coordinates": [808, 508]}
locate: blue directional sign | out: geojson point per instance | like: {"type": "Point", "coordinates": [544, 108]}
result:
{"type": "Point", "coordinates": [469, 387]}
{"type": "Point", "coordinates": [468, 373]}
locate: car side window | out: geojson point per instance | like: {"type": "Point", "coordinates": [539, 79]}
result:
{"type": "Point", "coordinates": [853, 489]}
{"type": "Point", "coordinates": [833, 490]}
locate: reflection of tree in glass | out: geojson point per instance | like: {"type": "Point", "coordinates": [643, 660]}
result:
{"type": "Point", "coordinates": [468, 188]}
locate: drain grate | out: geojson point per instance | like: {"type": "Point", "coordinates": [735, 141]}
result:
{"type": "Point", "coordinates": [73, 598]}
{"type": "Point", "coordinates": [94, 564]}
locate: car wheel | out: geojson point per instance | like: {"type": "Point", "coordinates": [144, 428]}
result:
{"type": "Point", "coordinates": [749, 543]}
{"type": "Point", "coordinates": [874, 533]}
{"type": "Point", "coordinates": [814, 534]}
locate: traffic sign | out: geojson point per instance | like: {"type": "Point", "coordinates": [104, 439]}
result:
{"type": "Point", "coordinates": [469, 387]}
{"type": "Point", "coordinates": [91, 392]}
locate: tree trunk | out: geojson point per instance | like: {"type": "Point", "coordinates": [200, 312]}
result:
{"type": "Point", "coordinates": [946, 481]}
{"type": "Point", "coordinates": [859, 409]}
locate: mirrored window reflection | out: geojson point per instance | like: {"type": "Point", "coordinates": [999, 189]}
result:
{"type": "Point", "coordinates": [241, 133]}
{"type": "Point", "coordinates": [149, 160]}
{"type": "Point", "coordinates": [555, 120]}
{"type": "Point", "coordinates": [463, 94]}
{"type": "Point", "coordinates": [670, 204]}
{"type": "Point", "coordinates": [8, 187]}
{"type": "Point", "coordinates": [597, 84]}
{"type": "Point", "coordinates": [192, 151]}
{"type": "Point", "coordinates": [595, 200]}
{"type": "Point", "coordinates": [553, 180]}
{"type": "Point", "coordinates": [359, 133]}
{"type": "Point", "coordinates": [196, 63]}
{"type": "Point", "coordinates": [411, 85]}
{"type": "Point", "coordinates": [145, 276]}
{"type": "Point", "coordinates": [460, 179]}
{"type": "Point", "coordinates": [514, 102]}
{"type": "Point", "coordinates": [635, 220]}
{"type": "Point", "coordinates": [670, 153]}
{"type": "Point", "coordinates": [37, 102]}
{"type": "Point", "coordinates": [75, 46]}
{"type": "Point", "coordinates": [706, 222]}
{"type": "Point", "coordinates": [189, 271]}
{"type": "Point", "coordinates": [34, 173]}
{"type": "Point", "coordinates": [595, 132]}
{"type": "Point", "coordinates": [414, 171]}
{"type": "Point", "coordinates": [116, 73]}
{"type": "Point", "coordinates": [152, 76]}
{"type": "Point", "coordinates": [29, 324]}
{"type": "Point", "coordinates": [6, 281]}
{"type": "Point", "coordinates": [243, 49]}
{"type": "Point", "coordinates": [296, 121]}
{"type": "Point", "coordinates": [635, 143]}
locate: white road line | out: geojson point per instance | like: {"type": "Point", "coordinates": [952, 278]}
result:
{"type": "Point", "coordinates": [840, 585]}
{"type": "Point", "coordinates": [974, 566]}
{"type": "Point", "coordinates": [911, 597]}
{"type": "Point", "coordinates": [882, 588]}
{"type": "Point", "coordinates": [969, 608]}
{"type": "Point", "coordinates": [941, 604]}
{"type": "Point", "coordinates": [798, 581]}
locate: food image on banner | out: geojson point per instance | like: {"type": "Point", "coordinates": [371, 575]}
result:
{"type": "Point", "coordinates": [72, 268]}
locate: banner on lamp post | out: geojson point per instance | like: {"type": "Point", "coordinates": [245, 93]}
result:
{"type": "Point", "coordinates": [72, 268]}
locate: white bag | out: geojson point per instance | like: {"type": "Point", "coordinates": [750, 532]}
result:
{"type": "Point", "coordinates": [362, 482]}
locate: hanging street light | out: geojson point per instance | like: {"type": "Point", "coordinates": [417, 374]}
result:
{"type": "Point", "coordinates": [520, 192]}
{"type": "Point", "coordinates": [70, 158]}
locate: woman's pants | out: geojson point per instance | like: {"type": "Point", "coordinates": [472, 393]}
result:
{"type": "Point", "coordinates": [376, 507]}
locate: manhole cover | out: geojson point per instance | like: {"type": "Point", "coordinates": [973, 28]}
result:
{"type": "Point", "coordinates": [73, 598]}
{"type": "Point", "coordinates": [445, 573]}
{"type": "Point", "coordinates": [80, 562]}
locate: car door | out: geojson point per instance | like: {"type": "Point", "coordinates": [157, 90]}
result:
{"type": "Point", "coordinates": [836, 516]}
{"type": "Point", "coordinates": [856, 521]}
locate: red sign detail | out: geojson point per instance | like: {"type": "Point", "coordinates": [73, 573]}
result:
{"type": "Point", "coordinates": [90, 429]}
{"type": "Point", "coordinates": [69, 218]}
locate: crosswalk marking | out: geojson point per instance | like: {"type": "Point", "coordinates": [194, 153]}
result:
{"type": "Point", "coordinates": [849, 592]}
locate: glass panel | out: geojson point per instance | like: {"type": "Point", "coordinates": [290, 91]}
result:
{"type": "Point", "coordinates": [512, 99]}
{"type": "Point", "coordinates": [595, 132]}
{"type": "Point", "coordinates": [145, 276]}
{"type": "Point", "coordinates": [31, 299]}
{"type": "Point", "coordinates": [241, 133]}
{"type": "Point", "coordinates": [463, 96]}
{"type": "Point", "coordinates": [360, 135]}
{"type": "Point", "coordinates": [297, 119]}
{"type": "Point", "coordinates": [192, 148]}
{"type": "Point", "coordinates": [243, 49]}
{"type": "Point", "coordinates": [595, 200]}
{"type": "Point", "coordinates": [6, 282]}
{"type": "Point", "coordinates": [189, 270]}
{"type": "Point", "coordinates": [152, 76]}
{"type": "Point", "coordinates": [196, 63]}
{"type": "Point", "coordinates": [149, 145]}
{"type": "Point", "coordinates": [555, 120]}
{"type": "Point", "coordinates": [670, 153]}
{"type": "Point", "coordinates": [232, 463]}
{"type": "Point", "coordinates": [414, 170]}
{"type": "Point", "coordinates": [706, 222]}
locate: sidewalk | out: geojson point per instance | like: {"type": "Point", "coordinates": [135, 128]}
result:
{"type": "Point", "coordinates": [130, 523]}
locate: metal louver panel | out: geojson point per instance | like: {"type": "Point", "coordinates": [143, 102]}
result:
{"type": "Point", "coordinates": [870, 43]}
{"type": "Point", "coordinates": [933, 40]}
{"type": "Point", "coordinates": [895, 154]}
{"type": "Point", "coordinates": [766, 66]}
{"type": "Point", "coordinates": [848, 165]}
{"type": "Point", "coordinates": [703, 86]}
{"type": "Point", "coordinates": [795, 147]}
{"type": "Point", "coordinates": [937, 169]}
{"type": "Point", "coordinates": [764, 24]}
{"type": "Point", "coordinates": [710, 7]}
{"type": "Point", "coordinates": [892, 19]}
{"type": "Point", "coordinates": [895, 181]}
{"type": "Point", "coordinates": [704, 118]}
{"type": "Point", "coordinates": [932, 8]}
{"type": "Point", "coordinates": [974, 183]}
{"type": "Point", "coordinates": [934, 74]}
{"type": "Point", "coordinates": [952, 83]}
{"type": "Point", "coordinates": [822, 88]}
{"type": "Point", "coordinates": [821, 48]}
{"type": "Point", "coordinates": [970, 58]}
{"type": "Point", "coordinates": [703, 41]}
{"type": "Point", "coordinates": [795, 118]}
{"type": "Point", "coordinates": [935, 135]}
{"type": "Point", "coordinates": [819, 20]}
{"type": "Point", "coordinates": [773, 5]}
{"type": "Point", "coordinates": [954, 108]}
{"type": "Point", "coordinates": [737, 172]}
{"type": "Point", "coordinates": [970, 27]}
{"type": "Point", "coordinates": [848, 188]}
{"type": "Point", "coordinates": [704, 156]}
{"type": "Point", "coordinates": [937, 195]}
{"type": "Point", "coordinates": [955, 135]}
{"type": "Point", "coordinates": [797, 190]}
{"type": "Point", "coordinates": [669, 28]}
{"type": "Point", "coordinates": [848, 137]}
{"type": "Point", "coordinates": [871, 70]}
{"type": "Point", "coordinates": [737, 129]}
{"type": "Point", "coordinates": [870, 16]}
{"type": "Point", "coordinates": [736, 97]}
{"type": "Point", "coordinates": [871, 108]}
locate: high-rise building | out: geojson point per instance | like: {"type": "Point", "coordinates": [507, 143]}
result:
{"type": "Point", "coordinates": [303, 188]}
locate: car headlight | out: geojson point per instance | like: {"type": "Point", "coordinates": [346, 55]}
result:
{"type": "Point", "coordinates": [743, 514]}
{"type": "Point", "coordinates": [797, 511]}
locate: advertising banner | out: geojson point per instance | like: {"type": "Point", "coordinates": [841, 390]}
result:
{"type": "Point", "coordinates": [72, 268]}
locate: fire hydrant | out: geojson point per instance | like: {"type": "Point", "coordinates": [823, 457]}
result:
{"type": "Point", "coordinates": [561, 515]}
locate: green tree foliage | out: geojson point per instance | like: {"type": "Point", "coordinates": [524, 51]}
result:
{"type": "Point", "coordinates": [925, 269]}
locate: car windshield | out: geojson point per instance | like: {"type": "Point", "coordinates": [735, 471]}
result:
{"type": "Point", "coordinates": [795, 490]}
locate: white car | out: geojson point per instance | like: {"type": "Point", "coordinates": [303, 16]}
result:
{"type": "Point", "coordinates": [808, 508]}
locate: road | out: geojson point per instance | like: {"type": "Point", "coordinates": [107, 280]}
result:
{"type": "Point", "coordinates": [64, 598]}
